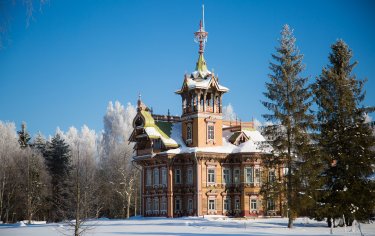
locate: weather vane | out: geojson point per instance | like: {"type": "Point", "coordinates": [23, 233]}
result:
{"type": "Point", "coordinates": [201, 34]}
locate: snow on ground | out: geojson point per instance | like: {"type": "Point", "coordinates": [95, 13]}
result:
{"type": "Point", "coordinates": [188, 226]}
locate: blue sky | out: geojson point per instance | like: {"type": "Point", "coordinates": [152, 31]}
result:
{"type": "Point", "coordinates": [76, 56]}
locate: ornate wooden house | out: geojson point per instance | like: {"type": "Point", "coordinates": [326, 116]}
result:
{"type": "Point", "coordinates": [198, 163]}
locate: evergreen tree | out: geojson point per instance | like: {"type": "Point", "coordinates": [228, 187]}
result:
{"type": "Point", "coordinates": [23, 136]}
{"type": "Point", "coordinates": [289, 103]}
{"type": "Point", "coordinates": [58, 161]}
{"type": "Point", "coordinates": [345, 140]}
{"type": "Point", "coordinates": [39, 143]}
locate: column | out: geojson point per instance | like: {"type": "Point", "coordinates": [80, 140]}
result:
{"type": "Point", "coordinates": [170, 209]}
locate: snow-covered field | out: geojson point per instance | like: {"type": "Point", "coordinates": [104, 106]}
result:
{"type": "Point", "coordinates": [188, 226]}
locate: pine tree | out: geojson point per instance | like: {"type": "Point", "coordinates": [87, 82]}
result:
{"type": "Point", "coordinates": [345, 140]}
{"type": "Point", "coordinates": [289, 103]}
{"type": "Point", "coordinates": [58, 161]}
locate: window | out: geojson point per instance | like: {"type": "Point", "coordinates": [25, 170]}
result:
{"type": "Point", "coordinates": [226, 176]}
{"type": "Point", "coordinates": [211, 132]}
{"type": "Point", "coordinates": [271, 176]}
{"type": "Point", "coordinates": [211, 204]}
{"type": "Point", "coordinates": [148, 177]}
{"type": "Point", "coordinates": [148, 204]}
{"type": "Point", "coordinates": [177, 176]}
{"type": "Point", "coordinates": [190, 204]}
{"type": "Point", "coordinates": [156, 176]}
{"type": "Point", "coordinates": [157, 143]}
{"type": "Point", "coordinates": [237, 175]}
{"type": "Point", "coordinates": [163, 206]}
{"type": "Point", "coordinates": [190, 176]}
{"type": "Point", "coordinates": [226, 204]}
{"type": "Point", "coordinates": [249, 175]}
{"type": "Point", "coordinates": [156, 205]}
{"type": "Point", "coordinates": [211, 176]}
{"type": "Point", "coordinates": [270, 205]}
{"type": "Point", "coordinates": [257, 175]}
{"type": "Point", "coordinates": [189, 132]}
{"type": "Point", "coordinates": [164, 176]}
{"type": "Point", "coordinates": [237, 204]}
{"type": "Point", "coordinates": [178, 204]}
{"type": "Point", "coordinates": [253, 204]}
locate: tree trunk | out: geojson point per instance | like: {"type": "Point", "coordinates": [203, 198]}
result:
{"type": "Point", "coordinates": [289, 185]}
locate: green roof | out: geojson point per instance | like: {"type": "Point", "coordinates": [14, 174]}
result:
{"type": "Point", "coordinates": [165, 127]}
{"type": "Point", "coordinates": [149, 121]}
{"type": "Point", "coordinates": [201, 64]}
{"type": "Point", "coordinates": [234, 136]}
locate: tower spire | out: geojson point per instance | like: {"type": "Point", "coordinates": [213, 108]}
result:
{"type": "Point", "coordinates": [201, 34]}
{"type": "Point", "coordinates": [201, 37]}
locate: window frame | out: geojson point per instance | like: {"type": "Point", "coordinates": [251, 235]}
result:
{"type": "Point", "coordinates": [156, 176]}
{"type": "Point", "coordinates": [164, 178]}
{"type": "Point", "coordinates": [177, 176]}
{"type": "Point", "coordinates": [149, 177]}
{"type": "Point", "coordinates": [178, 200]}
{"type": "Point", "coordinates": [253, 202]}
{"type": "Point", "coordinates": [210, 131]}
{"type": "Point", "coordinates": [190, 175]}
{"type": "Point", "coordinates": [226, 204]}
{"type": "Point", "coordinates": [189, 132]}
{"type": "Point", "coordinates": [211, 176]}
{"type": "Point", "coordinates": [227, 176]}
{"type": "Point", "coordinates": [237, 181]}
{"type": "Point", "coordinates": [249, 173]}
{"type": "Point", "coordinates": [237, 203]}
{"type": "Point", "coordinates": [211, 202]}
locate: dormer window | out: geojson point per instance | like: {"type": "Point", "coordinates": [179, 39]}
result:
{"type": "Point", "coordinates": [157, 143]}
{"type": "Point", "coordinates": [139, 121]}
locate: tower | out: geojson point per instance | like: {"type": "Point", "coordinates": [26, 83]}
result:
{"type": "Point", "coordinates": [201, 96]}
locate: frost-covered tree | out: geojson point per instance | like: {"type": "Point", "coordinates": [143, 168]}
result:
{"type": "Point", "coordinates": [119, 175]}
{"type": "Point", "coordinates": [289, 100]}
{"type": "Point", "coordinates": [36, 175]}
{"type": "Point", "coordinates": [345, 140]}
{"type": "Point", "coordinates": [228, 113]}
{"type": "Point", "coordinates": [84, 187]}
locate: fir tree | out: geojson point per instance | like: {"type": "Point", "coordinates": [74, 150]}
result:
{"type": "Point", "coordinates": [345, 140]}
{"type": "Point", "coordinates": [58, 162]}
{"type": "Point", "coordinates": [23, 136]}
{"type": "Point", "coordinates": [289, 102]}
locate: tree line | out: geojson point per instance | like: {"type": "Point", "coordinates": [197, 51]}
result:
{"type": "Point", "coordinates": [77, 175]}
{"type": "Point", "coordinates": [320, 133]}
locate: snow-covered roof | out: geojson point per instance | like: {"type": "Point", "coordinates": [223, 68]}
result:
{"type": "Point", "coordinates": [206, 83]}
{"type": "Point", "coordinates": [252, 145]}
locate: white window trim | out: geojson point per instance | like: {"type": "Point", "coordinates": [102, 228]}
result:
{"type": "Point", "coordinates": [208, 204]}
{"type": "Point", "coordinates": [209, 124]}
{"type": "Point", "coordinates": [252, 175]}
{"type": "Point", "coordinates": [208, 174]}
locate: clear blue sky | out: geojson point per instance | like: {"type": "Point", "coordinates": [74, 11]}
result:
{"type": "Point", "coordinates": [76, 56]}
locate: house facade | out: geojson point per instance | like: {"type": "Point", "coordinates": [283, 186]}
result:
{"type": "Point", "coordinates": [197, 163]}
